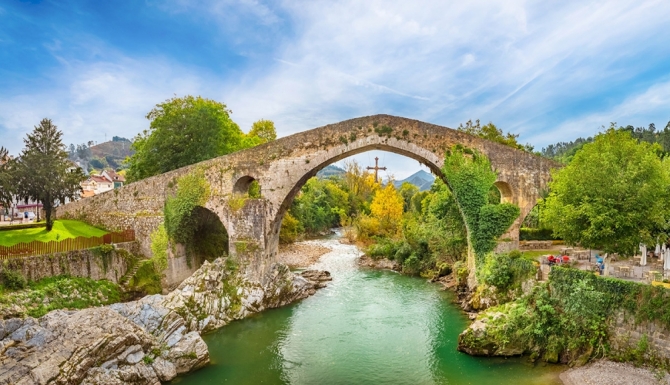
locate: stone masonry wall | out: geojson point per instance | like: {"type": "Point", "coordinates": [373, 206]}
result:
{"type": "Point", "coordinates": [282, 166]}
{"type": "Point", "coordinates": [79, 263]}
{"type": "Point", "coordinates": [625, 334]}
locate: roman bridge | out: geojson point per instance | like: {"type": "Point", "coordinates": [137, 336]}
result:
{"type": "Point", "coordinates": [282, 167]}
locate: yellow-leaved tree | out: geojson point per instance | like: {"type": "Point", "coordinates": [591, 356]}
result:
{"type": "Point", "coordinates": [387, 208]}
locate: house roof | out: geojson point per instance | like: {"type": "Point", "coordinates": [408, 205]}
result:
{"type": "Point", "coordinates": [87, 193]}
{"type": "Point", "coordinates": [114, 177]}
{"type": "Point", "coordinates": [98, 179]}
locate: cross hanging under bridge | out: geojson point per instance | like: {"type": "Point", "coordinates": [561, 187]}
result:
{"type": "Point", "coordinates": [376, 168]}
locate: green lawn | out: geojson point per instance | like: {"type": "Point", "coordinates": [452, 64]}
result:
{"type": "Point", "coordinates": [62, 229]}
{"type": "Point", "coordinates": [533, 254]}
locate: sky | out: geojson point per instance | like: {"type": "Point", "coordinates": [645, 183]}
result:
{"type": "Point", "coordinates": [548, 71]}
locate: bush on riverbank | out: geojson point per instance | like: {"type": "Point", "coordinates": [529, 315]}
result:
{"type": "Point", "coordinates": [569, 320]}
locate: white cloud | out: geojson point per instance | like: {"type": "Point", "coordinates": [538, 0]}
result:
{"type": "Point", "coordinates": [516, 63]}
{"type": "Point", "coordinates": [650, 106]}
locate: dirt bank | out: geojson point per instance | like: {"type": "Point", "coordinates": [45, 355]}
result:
{"type": "Point", "coordinates": [301, 254]}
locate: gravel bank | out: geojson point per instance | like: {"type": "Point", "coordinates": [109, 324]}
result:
{"type": "Point", "coordinates": [605, 372]}
{"type": "Point", "coordinates": [301, 254]}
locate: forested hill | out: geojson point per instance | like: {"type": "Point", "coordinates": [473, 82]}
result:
{"type": "Point", "coordinates": [564, 151]}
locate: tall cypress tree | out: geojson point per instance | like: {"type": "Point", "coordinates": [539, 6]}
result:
{"type": "Point", "coordinates": [42, 171]}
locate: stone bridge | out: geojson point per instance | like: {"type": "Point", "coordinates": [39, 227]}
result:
{"type": "Point", "coordinates": [283, 166]}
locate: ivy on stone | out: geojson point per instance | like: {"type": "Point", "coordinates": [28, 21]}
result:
{"type": "Point", "coordinates": [192, 191]}
{"type": "Point", "coordinates": [470, 177]}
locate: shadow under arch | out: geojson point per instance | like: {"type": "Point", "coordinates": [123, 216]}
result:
{"type": "Point", "coordinates": [207, 237]}
{"type": "Point", "coordinates": [288, 199]}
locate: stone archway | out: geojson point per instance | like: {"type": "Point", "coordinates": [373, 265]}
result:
{"type": "Point", "coordinates": [280, 167]}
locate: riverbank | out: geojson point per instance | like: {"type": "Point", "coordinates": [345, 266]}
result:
{"type": "Point", "coordinates": [604, 372]}
{"type": "Point", "coordinates": [300, 255]}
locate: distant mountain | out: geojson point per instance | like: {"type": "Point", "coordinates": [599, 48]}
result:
{"type": "Point", "coordinates": [421, 179]}
{"type": "Point", "coordinates": [330, 170]}
{"type": "Point", "coordinates": [110, 154]}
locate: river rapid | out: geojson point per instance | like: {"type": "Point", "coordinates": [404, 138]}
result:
{"type": "Point", "coordinates": [366, 327]}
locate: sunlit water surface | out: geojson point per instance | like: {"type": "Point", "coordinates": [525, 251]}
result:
{"type": "Point", "coordinates": [366, 327]}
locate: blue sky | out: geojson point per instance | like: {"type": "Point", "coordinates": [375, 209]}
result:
{"type": "Point", "coordinates": [549, 71]}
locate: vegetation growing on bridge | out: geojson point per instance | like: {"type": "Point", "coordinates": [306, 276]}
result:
{"type": "Point", "coordinates": [187, 222]}
{"type": "Point", "coordinates": [470, 178]}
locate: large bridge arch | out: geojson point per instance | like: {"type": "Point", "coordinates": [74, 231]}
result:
{"type": "Point", "coordinates": [282, 166]}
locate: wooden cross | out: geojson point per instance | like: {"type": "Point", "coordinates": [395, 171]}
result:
{"type": "Point", "coordinates": [376, 168]}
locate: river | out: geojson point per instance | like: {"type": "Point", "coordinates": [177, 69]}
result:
{"type": "Point", "coordinates": [366, 327]}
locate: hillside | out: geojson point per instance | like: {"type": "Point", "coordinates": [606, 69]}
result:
{"type": "Point", "coordinates": [330, 170]}
{"type": "Point", "coordinates": [110, 154]}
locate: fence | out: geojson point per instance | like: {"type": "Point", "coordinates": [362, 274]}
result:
{"type": "Point", "coordinates": [68, 244]}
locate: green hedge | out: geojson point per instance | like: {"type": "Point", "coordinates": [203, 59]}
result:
{"type": "Point", "coordinates": [645, 302]}
{"type": "Point", "coordinates": [23, 226]}
{"type": "Point", "coordinates": [528, 234]}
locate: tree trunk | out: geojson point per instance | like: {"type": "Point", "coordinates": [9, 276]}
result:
{"type": "Point", "coordinates": [47, 213]}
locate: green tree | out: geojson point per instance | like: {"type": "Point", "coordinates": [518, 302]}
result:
{"type": "Point", "coordinates": [183, 131]}
{"type": "Point", "coordinates": [407, 191]}
{"type": "Point", "coordinates": [494, 134]}
{"type": "Point", "coordinates": [264, 130]}
{"type": "Point", "coordinates": [319, 205]}
{"type": "Point", "coordinates": [43, 172]}
{"type": "Point", "coordinates": [6, 184]}
{"type": "Point", "coordinates": [612, 195]}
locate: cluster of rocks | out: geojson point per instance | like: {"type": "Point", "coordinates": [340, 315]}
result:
{"type": "Point", "coordinates": [381, 263]}
{"type": "Point", "coordinates": [145, 341]}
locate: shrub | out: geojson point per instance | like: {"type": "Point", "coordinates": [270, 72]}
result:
{"type": "Point", "coordinates": [290, 228]}
{"type": "Point", "coordinates": [13, 280]}
{"type": "Point", "coordinates": [412, 265]}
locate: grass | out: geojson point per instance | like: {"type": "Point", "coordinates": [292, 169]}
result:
{"type": "Point", "coordinates": [533, 254]}
{"type": "Point", "coordinates": [61, 292]}
{"type": "Point", "coordinates": [65, 228]}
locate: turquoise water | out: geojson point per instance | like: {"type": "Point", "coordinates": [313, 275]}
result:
{"type": "Point", "coordinates": [366, 327]}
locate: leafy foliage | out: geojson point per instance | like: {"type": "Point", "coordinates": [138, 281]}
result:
{"type": "Point", "coordinates": [264, 130]}
{"type": "Point", "coordinates": [12, 279]}
{"type": "Point", "coordinates": [320, 205]}
{"type": "Point", "coordinates": [568, 318]}
{"type": "Point", "coordinates": [470, 178]}
{"type": "Point", "coordinates": [6, 183]}
{"type": "Point", "coordinates": [62, 292]}
{"type": "Point", "coordinates": [192, 191]}
{"type": "Point", "coordinates": [611, 196]}
{"type": "Point", "coordinates": [494, 134]}
{"type": "Point", "coordinates": [43, 172]}
{"type": "Point", "coordinates": [506, 270]}
{"type": "Point", "coordinates": [387, 208]}
{"type": "Point", "coordinates": [183, 131]}
{"type": "Point", "coordinates": [290, 229]}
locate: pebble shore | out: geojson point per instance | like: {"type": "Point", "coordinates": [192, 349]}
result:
{"type": "Point", "coordinates": [605, 372]}
{"type": "Point", "coordinates": [301, 254]}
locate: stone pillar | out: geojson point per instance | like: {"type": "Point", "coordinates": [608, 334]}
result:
{"type": "Point", "coordinates": [247, 237]}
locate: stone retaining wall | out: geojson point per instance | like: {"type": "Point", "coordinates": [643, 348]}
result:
{"type": "Point", "coordinates": [625, 334]}
{"type": "Point", "coordinates": [87, 263]}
